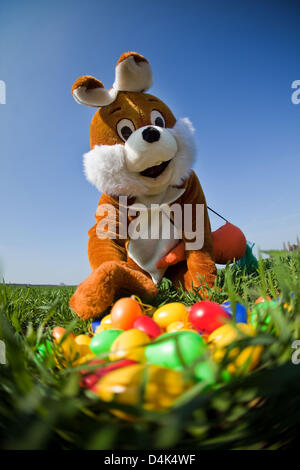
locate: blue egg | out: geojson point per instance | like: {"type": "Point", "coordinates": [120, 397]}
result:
{"type": "Point", "coordinates": [240, 311]}
{"type": "Point", "coordinates": [95, 325]}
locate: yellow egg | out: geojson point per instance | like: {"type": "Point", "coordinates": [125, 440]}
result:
{"type": "Point", "coordinates": [72, 350]}
{"type": "Point", "coordinates": [287, 306]}
{"type": "Point", "coordinates": [179, 326]}
{"type": "Point", "coordinates": [226, 334]}
{"type": "Point", "coordinates": [83, 342]}
{"type": "Point", "coordinates": [161, 386]}
{"type": "Point", "coordinates": [83, 359]}
{"type": "Point", "coordinates": [66, 351]}
{"type": "Point", "coordinates": [176, 326]}
{"type": "Point", "coordinates": [130, 345]}
{"type": "Point", "coordinates": [105, 324]}
{"type": "Point", "coordinates": [170, 313]}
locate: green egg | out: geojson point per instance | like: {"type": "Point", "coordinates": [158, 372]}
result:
{"type": "Point", "coordinates": [176, 350]}
{"type": "Point", "coordinates": [102, 341]}
{"type": "Point", "coordinates": [44, 351]}
{"type": "Point", "coordinates": [260, 316]}
{"type": "Point", "coordinates": [206, 371]}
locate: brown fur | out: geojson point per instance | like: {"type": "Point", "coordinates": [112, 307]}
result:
{"type": "Point", "coordinates": [134, 106]}
{"type": "Point", "coordinates": [113, 269]}
{"type": "Point", "coordinates": [137, 57]}
{"type": "Point", "coordinates": [90, 83]}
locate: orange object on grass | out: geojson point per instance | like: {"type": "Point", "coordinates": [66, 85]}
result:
{"type": "Point", "coordinates": [229, 243]}
{"type": "Point", "coordinates": [124, 313]}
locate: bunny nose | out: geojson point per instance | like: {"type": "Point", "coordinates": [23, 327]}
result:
{"type": "Point", "coordinates": [150, 134]}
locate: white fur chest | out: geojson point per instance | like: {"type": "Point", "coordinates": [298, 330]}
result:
{"type": "Point", "coordinates": [153, 234]}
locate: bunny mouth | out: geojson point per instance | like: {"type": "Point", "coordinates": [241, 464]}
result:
{"type": "Point", "coordinates": [156, 170]}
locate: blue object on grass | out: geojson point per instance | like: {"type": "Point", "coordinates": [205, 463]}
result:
{"type": "Point", "coordinates": [95, 325]}
{"type": "Point", "coordinates": [240, 311]}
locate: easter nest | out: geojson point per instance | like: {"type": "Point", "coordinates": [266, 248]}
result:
{"type": "Point", "coordinates": [231, 386]}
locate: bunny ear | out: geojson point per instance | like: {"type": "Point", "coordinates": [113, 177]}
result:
{"type": "Point", "coordinates": [91, 92]}
{"type": "Point", "coordinates": [133, 73]}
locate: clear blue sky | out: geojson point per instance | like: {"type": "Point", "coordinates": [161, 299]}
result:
{"type": "Point", "coordinates": [227, 65]}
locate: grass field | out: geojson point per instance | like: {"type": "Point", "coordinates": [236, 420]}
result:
{"type": "Point", "coordinates": [43, 407]}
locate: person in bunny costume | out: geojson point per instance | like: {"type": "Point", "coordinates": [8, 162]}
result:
{"type": "Point", "coordinates": [140, 160]}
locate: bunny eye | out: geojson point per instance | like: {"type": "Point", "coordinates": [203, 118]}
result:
{"type": "Point", "coordinates": [157, 118]}
{"type": "Point", "coordinates": [125, 128]}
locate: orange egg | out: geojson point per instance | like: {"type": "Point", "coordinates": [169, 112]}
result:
{"type": "Point", "coordinates": [262, 299]}
{"type": "Point", "coordinates": [58, 332]}
{"type": "Point", "coordinates": [124, 313]}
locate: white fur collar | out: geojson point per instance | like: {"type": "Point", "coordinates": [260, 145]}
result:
{"type": "Point", "coordinates": [171, 194]}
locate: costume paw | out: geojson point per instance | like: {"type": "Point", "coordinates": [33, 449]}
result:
{"type": "Point", "coordinates": [173, 257]}
{"type": "Point", "coordinates": [94, 295]}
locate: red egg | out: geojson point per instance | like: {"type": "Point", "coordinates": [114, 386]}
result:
{"type": "Point", "coordinates": [91, 363]}
{"type": "Point", "coordinates": [89, 381]}
{"type": "Point", "coordinates": [148, 326]}
{"type": "Point", "coordinates": [124, 312]}
{"type": "Point", "coordinates": [207, 316]}
{"type": "Point", "coordinates": [116, 365]}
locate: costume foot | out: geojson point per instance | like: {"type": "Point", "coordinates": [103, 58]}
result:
{"type": "Point", "coordinates": [94, 295]}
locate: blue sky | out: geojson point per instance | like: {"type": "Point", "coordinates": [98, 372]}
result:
{"type": "Point", "coordinates": [227, 65]}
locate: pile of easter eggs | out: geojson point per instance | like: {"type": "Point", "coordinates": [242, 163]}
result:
{"type": "Point", "coordinates": [133, 356]}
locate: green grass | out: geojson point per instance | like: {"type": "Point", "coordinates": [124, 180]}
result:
{"type": "Point", "coordinates": [42, 407]}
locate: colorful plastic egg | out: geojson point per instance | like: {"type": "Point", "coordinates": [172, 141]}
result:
{"type": "Point", "coordinates": [105, 324]}
{"type": "Point", "coordinates": [240, 316]}
{"type": "Point", "coordinates": [160, 389]}
{"type": "Point", "coordinates": [83, 342]}
{"type": "Point", "coordinates": [91, 379]}
{"type": "Point", "coordinates": [176, 350]}
{"type": "Point", "coordinates": [261, 299]}
{"type": "Point", "coordinates": [66, 350]}
{"type": "Point", "coordinates": [287, 306]}
{"type": "Point", "coordinates": [148, 326]}
{"type": "Point", "coordinates": [177, 326]}
{"type": "Point", "coordinates": [44, 351]}
{"type": "Point", "coordinates": [58, 332]}
{"type": "Point", "coordinates": [207, 316]}
{"type": "Point", "coordinates": [70, 350]}
{"type": "Point", "coordinates": [93, 362]}
{"type": "Point", "coordinates": [124, 313]}
{"type": "Point", "coordinates": [95, 324]}
{"type": "Point", "coordinates": [260, 314]}
{"type": "Point", "coordinates": [170, 313]}
{"type": "Point", "coordinates": [102, 342]}
{"type": "Point", "coordinates": [206, 371]}
{"type": "Point", "coordinates": [131, 345]}
{"type": "Point", "coordinates": [224, 336]}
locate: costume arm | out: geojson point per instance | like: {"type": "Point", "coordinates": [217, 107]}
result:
{"type": "Point", "coordinates": [199, 260]}
{"type": "Point", "coordinates": [104, 242]}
